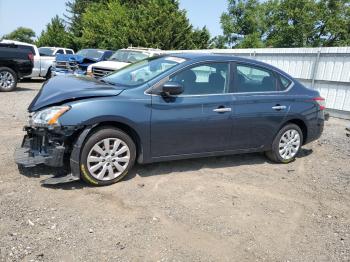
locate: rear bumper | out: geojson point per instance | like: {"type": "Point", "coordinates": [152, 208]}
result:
{"type": "Point", "coordinates": [315, 130]}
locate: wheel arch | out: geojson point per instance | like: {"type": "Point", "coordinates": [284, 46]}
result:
{"type": "Point", "coordinates": [125, 128]}
{"type": "Point", "coordinates": [301, 124]}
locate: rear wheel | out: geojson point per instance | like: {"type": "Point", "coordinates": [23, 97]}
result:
{"type": "Point", "coordinates": [107, 156]}
{"type": "Point", "coordinates": [286, 144]}
{"type": "Point", "coordinates": [8, 79]}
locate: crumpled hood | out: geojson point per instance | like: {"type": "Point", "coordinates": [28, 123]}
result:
{"type": "Point", "coordinates": [62, 89]}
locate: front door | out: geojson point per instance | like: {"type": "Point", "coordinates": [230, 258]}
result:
{"type": "Point", "coordinates": [197, 121]}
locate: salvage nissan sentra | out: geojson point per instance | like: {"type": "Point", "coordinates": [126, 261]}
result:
{"type": "Point", "coordinates": [166, 108]}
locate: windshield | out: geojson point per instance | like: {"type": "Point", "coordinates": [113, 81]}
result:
{"type": "Point", "coordinates": [91, 53]}
{"type": "Point", "coordinates": [46, 51]}
{"type": "Point", "coordinates": [128, 56]}
{"type": "Point", "coordinates": [142, 71]}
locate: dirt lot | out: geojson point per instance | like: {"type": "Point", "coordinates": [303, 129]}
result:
{"type": "Point", "coordinates": [236, 208]}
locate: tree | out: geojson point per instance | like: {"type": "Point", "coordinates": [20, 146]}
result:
{"type": "Point", "coordinates": [201, 38]}
{"type": "Point", "coordinates": [292, 24]}
{"type": "Point", "coordinates": [286, 23]}
{"type": "Point", "coordinates": [75, 10]}
{"type": "Point", "coordinates": [22, 34]}
{"type": "Point", "coordinates": [149, 23]}
{"type": "Point", "coordinates": [55, 34]}
{"type": "Point", "coordinates": [333, 26]}
{"type": "Point", "coordinates": [243, 23]}
{"type": "Point", "coordinates": [107, 27]}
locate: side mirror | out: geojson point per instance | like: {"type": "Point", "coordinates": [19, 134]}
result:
{"type": "Point", "coordinates": [172, 89]}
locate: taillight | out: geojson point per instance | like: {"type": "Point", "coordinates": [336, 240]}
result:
{"type": "Point", "coordinates": [31, 57]}
{"type": "Point", "coordinates": [321, 102]}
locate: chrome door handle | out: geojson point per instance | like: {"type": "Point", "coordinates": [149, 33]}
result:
{"type": "Point", "coordinates": [278, 107]}
{"type": "Point", "coordinates": [223, 109]}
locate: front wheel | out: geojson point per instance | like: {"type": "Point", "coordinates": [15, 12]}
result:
{"type": "Point", "coordinates": [286, 144]}
{"type": "Point", "coordinates": [107, 156]}
{"type": "Point", "coordinates": [8, 79]}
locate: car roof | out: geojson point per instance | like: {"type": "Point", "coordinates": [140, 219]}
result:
{"type": "Point", "coordinates": [206, 56]}
{"type": "Point", "coordinates": [7, 41]}
{"type": "Point", "coordinates": [104, 50]}
{"type": "Point", "coordinates": [55, 47]}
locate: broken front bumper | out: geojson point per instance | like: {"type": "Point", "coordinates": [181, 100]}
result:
{"type": "Point", "coordinates": [39, 147]}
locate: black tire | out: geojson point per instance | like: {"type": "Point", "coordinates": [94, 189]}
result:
{"type": "Point", "coordinates": [6, 70]}
{"type": "Point", "coordinates": [98, 136]}
{"type": "Point", "coordinates": [274, 154]}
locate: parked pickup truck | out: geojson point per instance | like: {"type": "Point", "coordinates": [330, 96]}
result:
{"type": "Point", "coordinates": [43, 60]}
{"type": "Point", "coordinates": [15, 63]}
{"type": "Point", "coordinates": [119, 59]}
{"type": "Point", "coordinates": [78, 63]}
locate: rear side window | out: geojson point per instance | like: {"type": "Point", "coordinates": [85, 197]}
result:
{"type": "Point", "coordinates": [69, 52]}
{"type": "Point", "coordinates": [285, 83]}
{"type": "Point", "coordinates": [254, 79]}
{"type": "Point", "coordinates": [27, 47]}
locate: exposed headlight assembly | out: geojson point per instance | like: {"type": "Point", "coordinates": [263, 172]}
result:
{"type": "Point", "coordinates": [48, 117]}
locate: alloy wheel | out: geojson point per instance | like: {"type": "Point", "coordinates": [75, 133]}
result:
{"type": "Point", "coordinates": [108, 159]}
{"type": "Point", "coordinates": [289, 144]}
{"type": "Point", "coordinates": [7, 80]}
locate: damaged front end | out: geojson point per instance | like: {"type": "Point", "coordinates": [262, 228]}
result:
{"type": "Point", "coordinates": [48, 143]}
{"type": "Point", "coordinates": [58, 148]}
{"type": "Point", "coordinates": [41, 146]}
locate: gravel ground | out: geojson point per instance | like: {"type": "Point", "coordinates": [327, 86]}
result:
{"type": "Point", "coordinates": [232, 208]}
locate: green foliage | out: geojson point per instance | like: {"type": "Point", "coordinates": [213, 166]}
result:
{"type": "Point", "coordinates": [201, 38]}
{"type": "Point", "coordinates": [55, 34]}
{"type": "Point", "coordinates": [22, 34]}
{"type": "Point", "coordinates": [105, 27]}
{"type": "Point", "coordinates": [218, 42]}
{"type": "Point", "coordinates": [148, 23]}
{"type": "Point", "coordinates": [286, 23]}
{"type": "Point", "coordinates": [76, 9]}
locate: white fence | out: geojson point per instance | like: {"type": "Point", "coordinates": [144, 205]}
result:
{"type": "Point", "coordinates": [326, 69]}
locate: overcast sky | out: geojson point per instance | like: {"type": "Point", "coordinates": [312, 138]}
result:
{"type": "Point", "coordinates": [36, 14]}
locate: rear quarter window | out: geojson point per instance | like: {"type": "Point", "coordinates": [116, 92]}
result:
{"type": "Point", "coordinates": [285, 83]}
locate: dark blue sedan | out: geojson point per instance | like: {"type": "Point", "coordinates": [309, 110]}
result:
{"type": "Point", "coordinates": [165, 108]}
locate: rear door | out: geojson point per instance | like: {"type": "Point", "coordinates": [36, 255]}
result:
{"type": "Point", "coordinates": [259, 108]}
{"type": "Point", "coordinates": [197, 121]}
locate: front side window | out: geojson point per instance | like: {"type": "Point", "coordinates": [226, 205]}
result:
{"type": "Point", "coordinates": [211, 78]}
{"type": "Point", "coordinates": [254, 79]}
{"type": "Point", "coordinates": [142, 71]}
{"type": "Point", "coordinates": [59, 51]}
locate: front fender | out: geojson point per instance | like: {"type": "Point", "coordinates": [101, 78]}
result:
{"type": "Point", "coordinates": [134, 113]}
